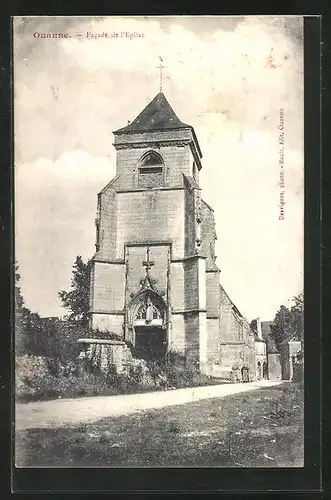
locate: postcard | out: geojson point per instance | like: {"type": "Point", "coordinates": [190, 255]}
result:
{"type": "Point", "coordinates": [159, 225]}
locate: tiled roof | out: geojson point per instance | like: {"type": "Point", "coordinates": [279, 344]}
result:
{"type": "Point", "coordinates": [234, 307]}
{"type": "Point", "coordinates": [256, 336]}
{"type": "Point", "coordinates": [158, 115]}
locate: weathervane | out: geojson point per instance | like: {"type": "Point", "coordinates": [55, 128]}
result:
{"type": "Point", "coordinates": [161, 68]}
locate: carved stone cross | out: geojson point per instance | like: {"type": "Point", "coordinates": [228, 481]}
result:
{"type": "Point", "coordinates": [148, 263]}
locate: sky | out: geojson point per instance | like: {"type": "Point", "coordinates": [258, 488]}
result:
{"type": "Point", "coordinates": [228, 77]}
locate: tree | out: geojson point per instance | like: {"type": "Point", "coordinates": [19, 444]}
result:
{"type": "Point", "coordinates": [288, 321]}
{"type": "Point", "coordinates": [297, 315]}
{"type": "Point", "coordinates": [77, 300]}
{"type": "Point", "coordinates": [21, 312]}
{"type": "Point", "coordinates": [28, 325]}
{"type": "Point", "coordinates": [18, 294]}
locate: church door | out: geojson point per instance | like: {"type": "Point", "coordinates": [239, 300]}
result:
{"type": "Point", "coordinates": [150, 342]}
{"type": "Point", "coordinates": [149, 323]}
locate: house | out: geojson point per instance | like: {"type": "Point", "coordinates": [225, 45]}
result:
{"type": "Point", "coordinates": [289, 349]}
{"type": "Point", "coordinates": [260, 347]}
{"type": "Point", "coordinates": [282, 357]}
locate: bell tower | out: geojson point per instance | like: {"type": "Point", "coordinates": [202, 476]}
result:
{"type": "Point", "coordinates": [156, 148]}
{"type": "Point", "coordinates": [150, 214]}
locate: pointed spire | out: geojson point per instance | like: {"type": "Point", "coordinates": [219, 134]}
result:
{"type": "Point", "coordinates": [157, 115]}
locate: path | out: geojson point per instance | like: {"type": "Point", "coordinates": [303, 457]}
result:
{"type": "Point", "coordinates": [66, 412]}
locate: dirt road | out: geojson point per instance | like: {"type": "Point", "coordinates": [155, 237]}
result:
{"type": "Point", "coordinates": [66, 412]}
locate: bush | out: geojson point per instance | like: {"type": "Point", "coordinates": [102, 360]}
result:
{"type": "Point", "coordinates": [32, 377]}
{"type": "Point", "coordinates": [281, 408]}
{"type": "Point", "coordinates": [176, 372]}
{"type": "Point", "coordinates": [104, 334]}
{"type": "Point", "coordinates": [39, 377]}
{"type": "Point", "coordinates": [298, 372]}
{"type": "Point", "coordinates": [55, 339]}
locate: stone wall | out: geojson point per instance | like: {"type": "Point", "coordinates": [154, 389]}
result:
{"type": "Point", "coordinates": [113, 323]}
{"type": "Point", "coordinates": [274, 367]}
{"type": "Point", "coordinates": [213, 341]}
{"type": "Point", "coordinates": [158, 140]}
{"type": "Point", "coordinates": [178, 335]}
{"type": "Point", "coordinates": [238, 353]}
{"type": "Point", "coordinates": [175, 158]}
{"type": "Point", "coordinates": [250, 360]}
{"type": "Point", "coordinates": [152, 215]}
{"type": "Point", "coordinates": [192, 330]}
{"type": "Point", "coordinates": [191, 277]}
{"type": "Point", "coordinates": [208, 234]}
{"type": "Point", "coordinates": [260, 348]}
{"type": "Point", "coordinates": [177, 286]}
{"type": "Point", "coordinates": [202, 285]}
{"type": "Point", "coordinates": [227, 326]}
{"type": "Point", "coordinates": [108, 289]}
{"type": "Point", "coordinates": [107, 355]}
{"type": "Point", "coordinates": [108, 223]}
{"type": "Point", "coordinates": [213, 294]}
{"type": "Point", "coordinates": [135, 271]}
{"type": "Point", "coordinates": [190, 219]}
{"type": "Point", "coordinates": [232, 354]}
{"type": "Point", "coordinates": [285, 361]}
{"type": "Point", "coordinates": [262, 361]}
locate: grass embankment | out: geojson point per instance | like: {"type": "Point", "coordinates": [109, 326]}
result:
{"type": "Point", "coordinates": [262, 428]}
{"type": "Point", "coordinates": [41, 379]}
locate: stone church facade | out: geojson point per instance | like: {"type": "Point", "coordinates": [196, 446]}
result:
{"type": "Point", "coordinates": [155, 281]}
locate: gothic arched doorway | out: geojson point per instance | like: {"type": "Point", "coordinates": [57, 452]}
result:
{"type": "Point", "coordinates": [147, 320]}
{"type": "Point", "coordinates": [245, 373]}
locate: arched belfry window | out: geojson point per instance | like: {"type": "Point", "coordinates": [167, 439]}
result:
{"type": "Point", "coordinates": [150, 170]}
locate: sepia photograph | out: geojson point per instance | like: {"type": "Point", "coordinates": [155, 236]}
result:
{"type": "Point", "coordinates": [159, 229]}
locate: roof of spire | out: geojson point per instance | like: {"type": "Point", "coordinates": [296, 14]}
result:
{"type": "Point", "coordinates": [158, 115]}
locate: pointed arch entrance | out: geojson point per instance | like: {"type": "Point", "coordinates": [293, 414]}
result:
{"type": "Point", "coordinates": [147, 321]}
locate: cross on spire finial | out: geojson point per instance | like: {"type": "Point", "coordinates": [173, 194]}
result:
{"type": "Point", "coordinates": [148, 263]}
{"type": "Point", "coordinates": [161, 68]}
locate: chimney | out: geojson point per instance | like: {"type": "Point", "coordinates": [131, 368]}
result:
{"type": "Point", "coordinates": [259, 328]}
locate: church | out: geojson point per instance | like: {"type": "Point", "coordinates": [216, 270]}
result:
{"type": "Point", "coordinates": [155, 281]}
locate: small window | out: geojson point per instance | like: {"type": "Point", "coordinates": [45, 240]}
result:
{"type": "Point", "coordinates": [150, 172]}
